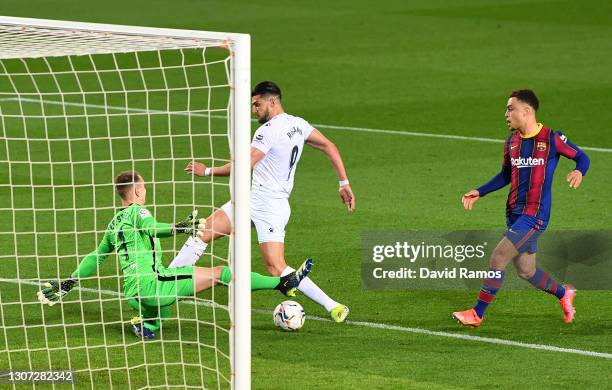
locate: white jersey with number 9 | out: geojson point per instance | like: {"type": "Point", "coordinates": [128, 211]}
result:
{"type": "Point", "coordinates": [282, 140]}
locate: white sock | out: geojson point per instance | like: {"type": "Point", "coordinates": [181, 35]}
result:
{"type": "Point", "coordinates": [312, 291]}
{"type": "Point", "coordinates": [189, 253]}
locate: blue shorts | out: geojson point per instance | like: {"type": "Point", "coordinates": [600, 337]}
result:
{"type": "Point", "coordinates": [524, 230]}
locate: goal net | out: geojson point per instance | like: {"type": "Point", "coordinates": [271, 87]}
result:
{"type": "Point", "coordinates": [80, 103]}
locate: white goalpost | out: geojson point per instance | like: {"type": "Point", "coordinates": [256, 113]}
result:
{"type": "Point", "coordinates": [80, 103]}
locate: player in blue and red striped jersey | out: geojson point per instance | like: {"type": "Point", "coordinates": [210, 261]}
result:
{"type": "Point", "coordinates": [531, 154]}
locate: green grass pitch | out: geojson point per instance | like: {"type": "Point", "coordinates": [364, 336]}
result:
{"type": "Point", "coordinates": [436, 67]}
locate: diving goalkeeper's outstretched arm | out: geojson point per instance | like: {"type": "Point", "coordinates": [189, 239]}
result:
{"type": "Point", "coordinates": [54, 290]}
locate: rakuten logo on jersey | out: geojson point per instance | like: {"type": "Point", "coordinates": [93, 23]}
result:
{"type": "Point", "coordinates": [522, 162]}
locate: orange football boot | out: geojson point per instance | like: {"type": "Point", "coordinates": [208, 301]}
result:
{"type": "Point", "coordinates": [468, 317]}
{"type": "Point", "coordinates": [567, 303]}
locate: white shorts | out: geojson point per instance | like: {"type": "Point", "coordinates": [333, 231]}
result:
{"type": "Point", "coordinates": [269, 215]}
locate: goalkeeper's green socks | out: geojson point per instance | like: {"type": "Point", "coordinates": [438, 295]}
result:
{"type": "Point", "coordinates": [258, 281]}
{"type": "Point", "coordinates": [261, 282]}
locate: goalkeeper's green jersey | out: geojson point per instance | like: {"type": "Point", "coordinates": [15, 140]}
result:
{"type": "Point", "coordinates": [134, 234]}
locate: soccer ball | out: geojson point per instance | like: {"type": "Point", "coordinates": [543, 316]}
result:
{"type": "Point", "coordinates": [289, 316]}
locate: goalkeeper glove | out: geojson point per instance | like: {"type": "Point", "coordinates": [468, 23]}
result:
{"type": "Point", "coordinates": [191, 225]}
{"type": "Point", "coordinates": [54, 291]}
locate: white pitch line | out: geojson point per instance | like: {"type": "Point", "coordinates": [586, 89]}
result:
{"type": "Point", "coordinates": [115, 108]}
{"type": "Point", "coordinates": [375, 325]}
{"type": "Point", "coordinates": [318, 125]}
{"type": "Point", "coordinates": [434, 135]}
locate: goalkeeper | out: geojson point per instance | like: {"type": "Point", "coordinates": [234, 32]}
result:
{"type": "Point", "coordinates": [150, 287]}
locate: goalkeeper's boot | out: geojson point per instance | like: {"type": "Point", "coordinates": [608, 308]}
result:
{"type": "Point", "coordinates": [567, 303]}
{"type": "Point", "coordinates": [140, 330]}
{"type": "Point", "coordinates": [289, 283]}
{"type": "Point", "coordinates": [339, 313]}
{"type": "Point", "coordinates": [468, 317]}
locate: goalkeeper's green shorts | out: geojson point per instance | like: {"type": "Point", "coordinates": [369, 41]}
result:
{"type": "Point", "coordinates": [167, 286]}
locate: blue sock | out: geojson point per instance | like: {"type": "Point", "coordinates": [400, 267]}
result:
{"type": "Point", "coordinates": [487, 292]}
{"type": "Point", "coordinates": [541, 280]}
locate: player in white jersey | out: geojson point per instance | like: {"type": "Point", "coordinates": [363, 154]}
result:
{"type": "Point", "coordinates": [275, 151]}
